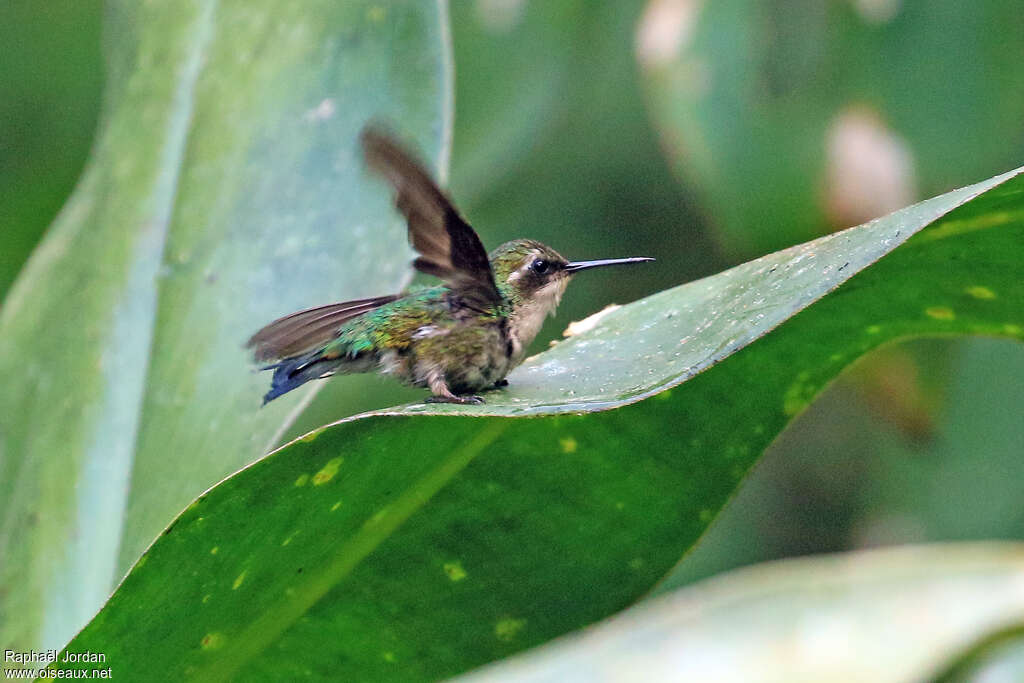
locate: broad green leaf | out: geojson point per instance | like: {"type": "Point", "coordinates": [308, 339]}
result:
{"type": "Point", "coordinates": [419, 542]}
{"type": "Point", "coordinates": [878, 616]}
{"type": "Point", "coordinates": [225, 189]}
{"type": "Point", "coordinates": [840, 477]}
{"type": "Point", "coordinates": [794, 118]}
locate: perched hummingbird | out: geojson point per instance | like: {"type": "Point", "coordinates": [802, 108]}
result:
{"type": "Point", "coordinates": [456, 338]}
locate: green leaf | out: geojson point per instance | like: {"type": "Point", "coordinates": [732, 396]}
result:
{"type": "Point", "coordinates": [883, 615]}
{"type": "Point", "coordinates": [225, 189]}
{"type": "Point", "coordinates": [417, 543]}
{"type": "Point", "coordinates": [840, 475]}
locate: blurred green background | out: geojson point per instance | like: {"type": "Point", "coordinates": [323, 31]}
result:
{"type": "Point", "coordinates": [704, 134]}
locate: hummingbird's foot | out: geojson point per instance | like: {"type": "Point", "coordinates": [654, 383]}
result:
{"type": "Point", "coordinates": [460, 400]}
{"type": "Point", "coordinates": [442, 394]}
{"type": "Point", "coordinates": [501, 384]}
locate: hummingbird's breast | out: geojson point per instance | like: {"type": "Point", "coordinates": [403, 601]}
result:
{"type": "Point", "coordinates": [470, 353]}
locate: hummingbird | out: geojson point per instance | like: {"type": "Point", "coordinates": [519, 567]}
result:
{"type": "Point", "coordinates": [457, 338]}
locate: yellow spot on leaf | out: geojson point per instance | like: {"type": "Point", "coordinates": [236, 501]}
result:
{"type": "Point", "coordinates": [797, 397]}
{"type": "Point", "coordinates": [306, 438]}
{"type": "Point", "coordinates": [454, 571]}
{"type": "Point", "coordinates": [239, 580]}
{"type": "Point", "coordinates": [212, 641]}
{"type": "Point", "coordinates": [979, 292]}
{"type": "Point", "coordinates": [664, 396]}
{"type": "Point", "coordinates": [636, 563]}
{"type": "Point", "coordinates": [336, 506]}
{"type": "Point", "coordinates": [940, 313]}
{"type": "Point", "coordinates": [206, 598]}
{"type": "Point", "coordinates": [214, 550]}
{"type": "Point", "coordinates": [388, 657]}
{"type": "Point", "coordinates": [1013, 329]}
{"type": "Point", "coordinates": [873, 329]}
{"type": "Point", "coordinates": [288, 540]}
{"type": "Point", "coordinates": [620, 505]}
{"type": "Point", "coordinates": [568, 444]}
{"type": "Point", "coordinates": [948, 228]}
{"type": "Point", "coordinates": [302, 480]}
{"type": "Point", "coordinates": [376, 13]}
{"type": "Point", "coordinates": [507, 629]}
{"type": "Point", "coordinates": [328, 472]}
{"type": "Point", "coordinates": [706, 516]}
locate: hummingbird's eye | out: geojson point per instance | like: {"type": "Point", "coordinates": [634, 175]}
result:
{"type": "Point", "coordinates": [540, 266]}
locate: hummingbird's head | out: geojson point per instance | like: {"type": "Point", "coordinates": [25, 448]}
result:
{"type": "Point", "coordinates": [529, 272]}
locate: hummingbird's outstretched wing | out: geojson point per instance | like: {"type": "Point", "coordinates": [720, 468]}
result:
{"type": "Point", "coordinates": [449, 247]}
{"type": "Point", "coordinates": [307, 330]}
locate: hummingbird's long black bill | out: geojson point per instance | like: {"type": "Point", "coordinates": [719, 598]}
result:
{"type": "Point", "coordinates": [577, 266]}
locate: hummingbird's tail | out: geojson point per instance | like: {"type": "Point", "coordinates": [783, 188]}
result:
{"type": "Point", "coordinates": [291, 373]}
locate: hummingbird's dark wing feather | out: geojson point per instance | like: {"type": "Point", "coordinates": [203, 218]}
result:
{"type": "Point", "coordinates": [306, 330]}
{"type": "Point", "coordinates": [449, 248]}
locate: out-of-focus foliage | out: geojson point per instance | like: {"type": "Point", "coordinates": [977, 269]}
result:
{"type": "Point", "coordinates": [225, 188]}
{"type": "Point", "coordinates": [828, 114]}
{"type": "Point", "coordinates": [50, 79]}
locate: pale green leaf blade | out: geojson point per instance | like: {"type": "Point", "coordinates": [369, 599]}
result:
{"type": "Point", "coordinates": [225, 189]}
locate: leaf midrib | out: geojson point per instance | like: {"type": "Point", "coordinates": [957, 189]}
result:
{"type": "Point", "coordinates": [285, 610]}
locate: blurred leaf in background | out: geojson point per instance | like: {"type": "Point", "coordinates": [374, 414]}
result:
{"type": "Point", "coordinates": [225, 188]}
{"type": "Point", "coordinates": [50, 82]}
{"type": "Point", "coordinates": [828, 114]}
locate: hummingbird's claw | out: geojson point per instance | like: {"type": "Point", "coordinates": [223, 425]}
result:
{"type": "Point", "coordinates": [460, 400]}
